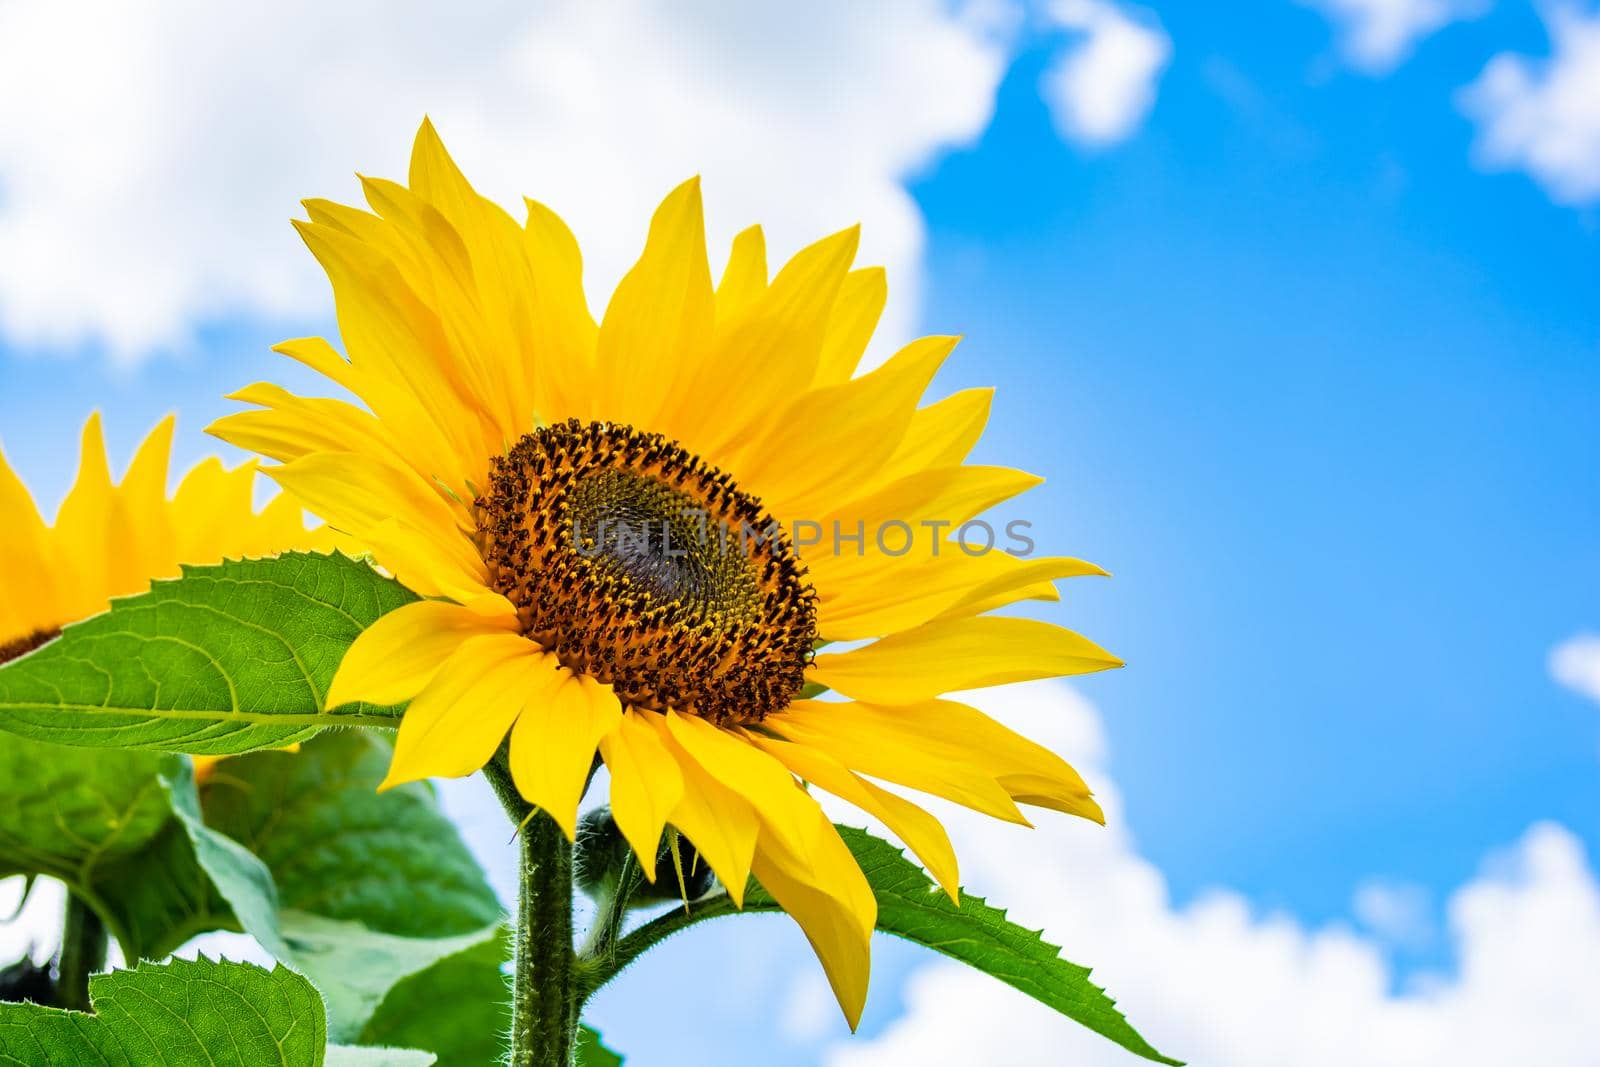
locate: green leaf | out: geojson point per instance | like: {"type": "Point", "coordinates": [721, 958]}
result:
{"type": "Point", "coordinates": [459, 1008]}
{"type": "Point", "coordinates": [355, 966]}
{"type": "Point", "coordinates": [911, 906]}
{"type": "Point", "coordinates": [243, 881]}
{"type": "Point", "coordinates": [225, 659]}
{"type": "Point", "coordinates": [592, 1051]}
{"type": "Point", "coordinates": [175, 1014]}
{"type": "Point", "coordinates": [66, 811]}
{"type": "Point", "coordinates": [160, 897]}
{"type": "Point", "coordinates": [339, 848]}
{"type": "Point", "coordinates": [352, 888]}
{"type": "Point", "coordinates": [101, 821]}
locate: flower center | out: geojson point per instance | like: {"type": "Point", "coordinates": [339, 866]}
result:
{"type": "Point", "coordinates": [21, 646]}
{"type": "Point", "coordinates": [637, 563]}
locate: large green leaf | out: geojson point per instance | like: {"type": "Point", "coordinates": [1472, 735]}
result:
{"type": "Point", "coordinates": [244, 883]}
{"type": "Point", "coordinates": [66, 811]}
{"type": "Point", "coordinates": [911, 906]}
{"type": "Point", "coordinates": [100, 820]}
{"type": "Point", "coordinates": [175, 1014]}
{"type": "Point", "coordinates": [459, 1008]}
{"type": "Point", "coordinates": [186, 1013]}
{"type": "Point", "coordinates": [353, 888]}
{"type": "Point", "coordinates": [355, 967]}
{"type": "Point", "coordinates": [337, 847]}
{"type": "Point", "coordinates": [225, 659]}
{"type": "Point", "coordinates": [160, 897]}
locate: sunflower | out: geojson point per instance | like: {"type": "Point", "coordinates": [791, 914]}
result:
{"type": "Point", "coordinates": [613, 527]}
{"type": "Point", "coordinates": [110, 540]}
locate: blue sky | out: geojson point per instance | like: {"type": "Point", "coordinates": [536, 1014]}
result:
{"type": "Point", "coordinates": [1314, 382]}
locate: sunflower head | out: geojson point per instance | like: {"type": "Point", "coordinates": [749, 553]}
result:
{"type": "Point", "coordinates": [636, 563]}
{"type": "Point", "coordinates": [602, 518]}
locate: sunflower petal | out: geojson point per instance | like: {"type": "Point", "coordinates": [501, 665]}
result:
{"type": "Point", "coordinates": [660, 319]}
{"type": "Point", "coordinates": [646, 784]}
{"type": "Point", "coordinates": [392, 660]}
{"type": "Point", "coordinates": [786, 812]}
{"type": "Point", "coordinates": [850, 327]}
{"type": "Point", "coordinates": [373, 501]}
{"type": "Point", "coordinates": [745, 277]}
{"type": "Point", "coordinates": [720, 823]}
{"type": "Point", "coordinates": [942, 434]}
{"type": "Point", "coordinates": [955, 733]}
{"type": "Point", "coordinates": [831, 731]}
{"type": "Point", "coordinates": [553, 743]}
{"type": "Point", "coordinates": [955, 654]}
{"type": "Point", "coordinates": [455, 724]}
{"type": "Point", "coordinates": [842, 434]}
{"type": "Point", "coordinates": [921, 832]}
{"type": "Point", "coordinates": [831, 900]}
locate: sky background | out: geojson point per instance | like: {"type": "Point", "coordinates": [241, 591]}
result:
{"type": "Point", "coordinates": [1294, 305]}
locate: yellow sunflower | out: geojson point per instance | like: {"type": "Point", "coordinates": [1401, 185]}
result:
{"type": "Point", "coordinates": [616, 530]}
{"type": "Point", "coordinates": [110, 539]}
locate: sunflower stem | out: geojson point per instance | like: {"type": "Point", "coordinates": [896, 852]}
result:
{"type": "Point", "coordinates": [544, 1001]}
{"type": "Point", "coordinates": [83, 952]}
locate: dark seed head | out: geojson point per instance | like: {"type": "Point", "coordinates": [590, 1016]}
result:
{"type": "Point", "coordinates": [635, 562]}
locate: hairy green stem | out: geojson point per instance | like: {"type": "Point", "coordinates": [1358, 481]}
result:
{"type": "Point", "coordinates": [544, 998]}
{"type": "Point", "coordinates": [83, 952]}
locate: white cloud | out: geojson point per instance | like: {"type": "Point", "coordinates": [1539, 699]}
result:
{"type": "Point", "coordinates": [1221, 985]}
{"type": "Point", "coordinates": [1543, 116]}
{"type": "Point", "coordinates": [1103, 84]}
{"type": "Point", "coordinates": [1378, 35]}
{"type": "Point", "coordinates": [151, 155]}
{"type": "Point", "coordinates": [1575, 663]}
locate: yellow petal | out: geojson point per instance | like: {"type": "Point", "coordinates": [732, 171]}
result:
{"type": "Point", "coordinates": [903, 594]}
{"type": "Point", "coordinates": [850, 327]}
{"type": "Point", "coordinates": [373, 500]}
{"type": "Point", "coordinates": [394, 658]}
{"type": "Point", "coordinates": [745, 277]}
{"type": "Point", "coordinates": [562, 326]}
{"type": "Point", "coordinates": [832, 731]}
{"type": "Point", "coordinates": [954, 654]}
{"type": "Point", "coordinates": [293, 426]}
{"type": "Point", "coordinates": [921, 832]}
{"type": "Point", "coordinates": [317, 354]}
{"type": "Point", "coordinates": [33, 599]}
{"type": "Point", "coordinates": [406, 370]}
{"type": "Point", "coordinates": [455, 724]}
{"type": "Point", "coordinates": [659, 322]}
{"type": "Point", "coordinates": [646, 784]}
{"type": "Point", "coordinates": [721, 824]}
{"type": "Point", "coordinates": [842, 434]}
{"type": "Point", "coordinates": [764, 357]}
{"type": "Point", "coordinates": [956, 733]}
{"type": "Point", "coordinates": [154, 551]}
{"type": "Point", "coordinates": [784, 808]}
{"type": "Point", "coordinates": [91, 531]}
{"type": "Point", "coordinates": [834, 905]}
{"type": "Point", "coordinates": [1021, 579]}
{"type": "Point", "coordinates": [208, 506]}
{"type": "Point", "coordinates": [941, 434]}
{"type": "Point", "coordinates": [553, 743]}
